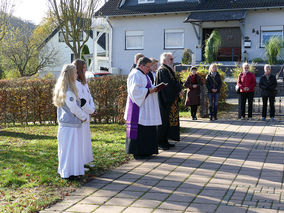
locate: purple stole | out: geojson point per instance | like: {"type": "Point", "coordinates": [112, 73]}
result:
{"type": "Point", "coordinates": [133, 116]}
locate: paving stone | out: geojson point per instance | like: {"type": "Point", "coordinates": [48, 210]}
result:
{"type": "Point", "coordinates": [129, 194]}
{"type": "Point", "coordinates": [82, 208]}
{"type": "Point", "coordinates": [94, 200]}
{"type": "Point", "coordinates": [261, 210]}
{"type": "Point", "coordinates": [195, 207]}
{"type": "Point", "coordinates": [146, 203]}
{"type": "Point", "coordinates": [231, 209]}
{"type": "Point", "coordinates": [120, 201]}
{"type": "Point", "coordinates": [137, 210]}
{"type": "Point", "coordinates": [155, 196]}
{"type": "Point", "coordinates": [73, 199]}
{"type": "Point", "coordinates": [180, 198]}
{"type": "Point", "coordinates": [104, 193]}
{"type": "Point", "coordinates": [58, 207]}
{"type": "Point", "coordinates": [109, 209]}
{"type": "Point", "coordinates": [173, 205]}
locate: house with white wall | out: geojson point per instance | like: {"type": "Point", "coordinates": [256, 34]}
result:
{"type": "Point", "coordinates": [155, 26]}
{"type": "Point", "coordinates": [64, 54]}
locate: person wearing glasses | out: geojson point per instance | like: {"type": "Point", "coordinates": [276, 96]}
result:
{"type": "Point", "coordinates": [268, 84]}
{"type": "Point", "coordinates": [168, 101]}
{"type": "Point", "coordinates": [246, 83]}
{"type": "Point", "coordinates": [142, 113]}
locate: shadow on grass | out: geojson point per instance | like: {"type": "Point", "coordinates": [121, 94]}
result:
{"type": "Point", "coordinates": [26, 136]}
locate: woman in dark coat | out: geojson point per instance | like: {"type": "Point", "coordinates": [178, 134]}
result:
{"type": "Point", "coordinates": [193, 84]}
{"type": "Point", "coordinates": [268, 84]}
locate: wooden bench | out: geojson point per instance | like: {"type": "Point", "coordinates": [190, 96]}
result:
{"type": "Point", "coordinates": [233, 53]}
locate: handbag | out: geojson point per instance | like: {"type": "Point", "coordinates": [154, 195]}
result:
{"type": "Point", "coordinates": [237, 88]}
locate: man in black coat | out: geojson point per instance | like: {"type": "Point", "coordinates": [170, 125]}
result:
{"type": "Point", "coordinates": [268, 84]}
{"type": "Point", "coordinates": [168, 102]}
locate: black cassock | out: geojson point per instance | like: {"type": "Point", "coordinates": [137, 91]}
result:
{"type": "Point", "coordinates": [168, 103]}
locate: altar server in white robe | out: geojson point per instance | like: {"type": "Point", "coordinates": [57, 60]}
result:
{"type": "Point", "coordinates": [142, 112]}
{"type": "Point", "coordinates": [84, 93]}
{"type": "Point", "coordinates": [70, 116]}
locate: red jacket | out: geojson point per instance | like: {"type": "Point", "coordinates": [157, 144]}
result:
{"type": "Point", "coordinates": [246, 80]}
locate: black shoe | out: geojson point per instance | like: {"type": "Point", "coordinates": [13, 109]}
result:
{"type": "Point", "coordinates": [215, 118]}
{"type": "Point", "coordinates": [171, 145]}
{"type": "Point", "coordinates": [164, 147]}
{"type": "Point", "coordinates": [211, 118]}
{"type": "Point", "coordinates": [138, 157]}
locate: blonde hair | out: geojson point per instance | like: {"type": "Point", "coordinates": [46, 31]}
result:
{"type": "Point", "coordinates": [211, 67]}
{"type": "Point", "coordinates": [65, 81]}
{"type": "Point", "coordinates": [267, 66]}
{"type": "Point", "coordinates": [137, 57]}
{"type": "Point", "coordinates": [154, 60]}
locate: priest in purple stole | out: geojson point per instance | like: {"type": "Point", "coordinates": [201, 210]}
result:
{"type": "Point", "coordinates": [142, 113]}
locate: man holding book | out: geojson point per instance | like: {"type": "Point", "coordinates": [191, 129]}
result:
{"type": "Point", "coordinates": [142, 112]}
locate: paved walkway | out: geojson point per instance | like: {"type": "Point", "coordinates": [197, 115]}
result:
{"type": "Point", "coordinates": [224, 166]}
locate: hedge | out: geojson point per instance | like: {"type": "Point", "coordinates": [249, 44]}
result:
{"type": "Point", "coordinates": [26, 100]}
{"type": "Point", "coordinates": [29, 100]}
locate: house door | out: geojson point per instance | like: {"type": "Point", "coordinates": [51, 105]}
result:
{"type": "Point", "coordinates": [230, 49]}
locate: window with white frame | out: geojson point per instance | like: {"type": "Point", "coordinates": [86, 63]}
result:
{"type": "Point", "coordinates": [134, 40]}
{"type": "Point", "coordinates": [145, 1]}
{"type": "Point", "coordinates": [174, 38]}
{"type": "Point", "coordinates": [266, 32]}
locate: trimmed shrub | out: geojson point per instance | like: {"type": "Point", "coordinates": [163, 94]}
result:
{"type": "Point", "coordinates": [212, 46]}
{"type": "Point", "coordinates": [27, 100]}
{"type": "Point", "coordinates": [186, 57]}
{"type": "Point", "coordinates": [257, 60]}
{"type": "Point", "coordinates": [273, 47]}
{"type": "Point", "coordinates": [109, 93]}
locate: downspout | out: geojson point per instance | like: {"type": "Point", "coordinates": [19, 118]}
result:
{"type": "Point", "coordinates": [110, 43]}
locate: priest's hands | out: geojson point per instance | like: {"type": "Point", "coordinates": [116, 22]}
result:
{"type": "Point", "coordinates": [152, 90]}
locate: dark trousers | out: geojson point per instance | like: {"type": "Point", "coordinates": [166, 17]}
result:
{"type": "Point", "coordinates": [271, 106]}
{"type": "Point", "coordinates": [193, 110]}
{"type": "Point", "coordinates": [244, 97]}
{"type": "Point", "coordinates": [213, 103]}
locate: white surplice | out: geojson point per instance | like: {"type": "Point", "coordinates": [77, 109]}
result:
{"type": "Point", "coordinates": [69, 142]}
{"type": "Point", "coordinates": [84, 92]}
{"type": "Point", "coordinates": [149, 114]}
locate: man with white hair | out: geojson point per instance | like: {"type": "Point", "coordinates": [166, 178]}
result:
{"type": "Point", "coordinates": [168, 102]}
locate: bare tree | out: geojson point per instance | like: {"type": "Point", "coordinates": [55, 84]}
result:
{"type": "Point", "coordinates": [74, 18]}
{"type": "Point", "coordinates": [20, 51]}
{"type": "Point", "coordinates": [6, 7]}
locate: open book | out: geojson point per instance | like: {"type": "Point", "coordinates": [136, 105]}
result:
{"type": "Point", "coordinates": [161, 86]}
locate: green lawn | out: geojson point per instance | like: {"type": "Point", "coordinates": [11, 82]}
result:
{"type": "Point", "coordinates": [28, 164]}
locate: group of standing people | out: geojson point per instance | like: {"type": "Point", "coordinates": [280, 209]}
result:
{"type": "Point", "coordinates": [152, 114]}
{"type": "Point", "coordinates": [75, 105]}
{"type": "Point", "coordinates": [246, 85]}
{"type": "Point", "coordinates": [193, 84]}
{"type": "Point", "coordinates": [152, 108]}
